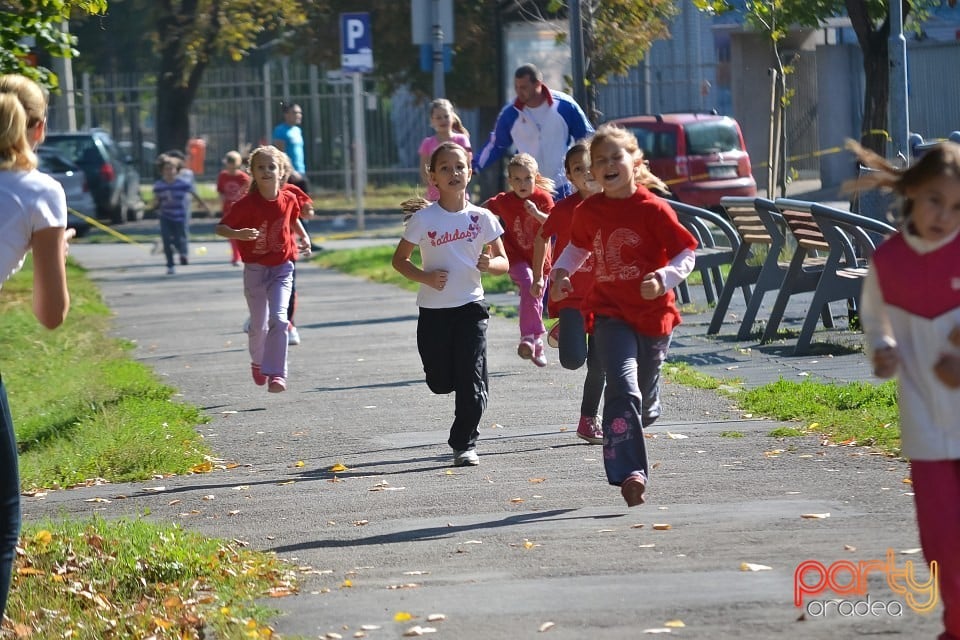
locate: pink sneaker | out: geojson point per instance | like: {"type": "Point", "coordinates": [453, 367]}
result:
{"type": "Point", "coordinates": [633, 488]}
{"type": "Point", "coordinates": [525, 348]}
{"type": "Point", "coordinates": [590, 430]}
{"type": "Point", "coordinates": [539, 357]}
{"type": "Point", "coordinates": [258, 378]}
{"type": "Point", "coordinates": [553, 338]}
{"type": "Point", "coordinates": [277, 384]}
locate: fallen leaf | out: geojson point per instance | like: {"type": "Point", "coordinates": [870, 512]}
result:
{"type": "Point", "coordinates": [537, 480]}
{"type": "Point", "coordinates": [97, 500]}
{"type": "Point", "coordinates": [658, 630]}
{"type": "Point", "coordinates": [298, 463]}
{"type": "Point", "coordinates": [282, 484]}
{"type": "Point", "coordinates": [674, 624]}
{"type": "Point", "coordinates": [639, 525]}
{"type": "Point", "coordinates": [676, 436]}
{"type": "Point", "coordinates": [749, 566]}
{"type": "Point", "coordinates": [203, 467]}
{"type": "Point", "coordinates": [815, 516]}
{"type": "Point", "coordinates": [418, 631]}
{"type": "Point", "coordinates": [516, 500]}
{"type": "Point", "coordinates": [436, 617]}
{"type": "Point", "coordinates": [546, 626]}
{"type": "Point", "coordinates": [339, 467]}
{"type": "Point", "coordinates": [646, 546]}
{"type": "Point", "coordinates": [849, 547]}
{"type": "Point", "coordinates": [911, 551]}
{"type": "Point", "coordinates": [661, 527]}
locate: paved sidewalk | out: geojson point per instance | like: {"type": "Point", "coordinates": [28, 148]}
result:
{"type": "Point", "coordinates": [533, 535]}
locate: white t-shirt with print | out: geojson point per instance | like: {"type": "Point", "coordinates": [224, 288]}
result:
{"type": "Point", "coordinates": [29, 202]}
{"type": "Point", "coordinates": [452, 241]}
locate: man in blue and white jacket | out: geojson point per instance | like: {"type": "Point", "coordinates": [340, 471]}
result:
{"type": "Point", "coordinates": [541, 122]}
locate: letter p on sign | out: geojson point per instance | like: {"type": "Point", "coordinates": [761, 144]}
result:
{"type": "Point", "coordinates": [356, 52]}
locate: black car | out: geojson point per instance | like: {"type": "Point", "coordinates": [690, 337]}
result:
{"type": "Point", "coordinates": [112, 177]}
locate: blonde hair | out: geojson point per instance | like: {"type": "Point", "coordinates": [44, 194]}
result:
{"type": "Point", "coordinates": [942, 159]}
{"type": "Point", "coordinates": [24, 106]}
{"type": "Point", "coordinates": [233, 158]}
{"type": "Point", "coordinates": [528, 162]}
{"type": "Point", "coordinates": [15, 151]}
{"type": "Point", "coordinates": [276, 155]}
{"type": "Point", "coordinates": [456, 123]}
{"type": "Point", "coordinates": [628, 142]}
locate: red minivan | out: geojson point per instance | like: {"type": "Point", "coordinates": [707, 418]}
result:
{"type": "Point", "coordinates": [701, 156]}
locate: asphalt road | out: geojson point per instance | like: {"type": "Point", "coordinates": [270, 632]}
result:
{"type": "Point", "coordinates": [532, 543]}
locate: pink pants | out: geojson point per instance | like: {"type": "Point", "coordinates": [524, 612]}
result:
{"type": "Point", "coordinates": [531, 308]}
{"type": "Point", "coordinates": [936, 487]}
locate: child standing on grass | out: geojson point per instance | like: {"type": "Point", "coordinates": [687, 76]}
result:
{"type": "Point", "coordinates": [448, 128]}
{"type": "Point", "coordinates": [452, 235]}
{"type": "Point", "coordinates": [910, 314]}
{"type": "Point", "coordinates": [172, 195]}
{"type": "Point", "coordinates": [641, 253]}
{"type": "Point", "coordinates": [232, 184]}
{"type": "Point", "coordinates": [265, 222]}
{"type": "Point", "coordinates": [570, 332]}
{"type": "Point", "coordinates": [522, 210]}
{"type": "Point", "coordinates": [34, 217]}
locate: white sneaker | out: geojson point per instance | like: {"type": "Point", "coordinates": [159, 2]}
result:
{"type": "Point", "coordinates": [293, 336]}
{"type": "Point", "coordinates": [467, 458]}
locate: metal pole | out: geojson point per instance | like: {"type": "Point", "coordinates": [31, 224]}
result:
{"type": "Point", "coordinates": [439, 90]}
{"type": "Point", "coordinates": [899, 106]}
{"type": "Point", "coordinates": [359, 145]}
{"type": "Point", "coordinates": [267, 106]}
{"type": "Point", "coordinates": [576, 53]}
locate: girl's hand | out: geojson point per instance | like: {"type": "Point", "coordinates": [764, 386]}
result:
{"type": "Point", "coordinates": [947, 370]}
{"type": "Point", "coordinates": [437, 279]}
{"type": "Point", "coordinates": [954, 337]}
{"type": "Point", "coordinates": [651, 287]}
{"type": "Point", "coordinates": [885, 362]}
{"type": "Point", "coordinates": [483, 262]}
{"type": "Point", "coordinates": [303, 244]}
{"type": "Point", "coordinates": [560, 285]}
{"type": "Point", "coordinates": [531, 208]}
{"type": "Point", "coordinates": [536, 288]}
{"type": "Point", "coordinates": [247, 234]}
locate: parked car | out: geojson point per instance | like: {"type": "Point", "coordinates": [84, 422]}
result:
{"type": "Point", "coordinates": [74, 183]}
{"type": "Point", "coordinates": [701, 156]}
{"type": "Point", "coordinates": [111, 174]}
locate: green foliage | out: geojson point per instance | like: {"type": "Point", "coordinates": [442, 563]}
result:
{"type": "Point", "coordinates": [37, 22]}
{"type": "Point", "coordinates": [81, 408]}
{"type": "Point", "coordinates": [96, 579]}
{"type": "Point", "coordinates": [786, 432]}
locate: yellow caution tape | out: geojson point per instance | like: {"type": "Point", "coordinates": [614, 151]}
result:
{"type": "Point", "coordinates": [110, 230]}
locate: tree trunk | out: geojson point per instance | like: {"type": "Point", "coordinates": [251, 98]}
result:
{"type": "Point", "coordinates": [173, 114]}
{"type": "Point", "coordinates": [876, 69]}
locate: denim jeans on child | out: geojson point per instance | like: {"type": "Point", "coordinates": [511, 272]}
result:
{"type": "Point", "coordinates": [174, 236]}
{"type": "Point", "coordinates": [632, 364]}
{"type": "Point", "coordinates": [453, 348]}
{"type": "Point", "coordinates": [576, 347]}
{"type": "Point", "coordinates": [9, 497]}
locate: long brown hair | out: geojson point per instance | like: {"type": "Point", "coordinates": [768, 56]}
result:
{"type": "Point", "coordinates": [942, 159]}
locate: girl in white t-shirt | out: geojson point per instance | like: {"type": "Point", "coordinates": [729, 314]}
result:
{"type": "Point", "coordinates": [34, 217]}
{"type": "Point", "coordinates": [458, 241]}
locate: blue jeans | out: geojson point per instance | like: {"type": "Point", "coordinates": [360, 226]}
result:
{"type": "Point", "coordinates": [174, 236]}
{"type": "Point", "coordinates": [9, 497]}
{"type": "Point", "coordinates": [576, 348]}
{"type": "Point", "coordinates": [631, 401]}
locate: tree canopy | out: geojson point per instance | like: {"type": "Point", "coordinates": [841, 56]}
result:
{"type": "Point", "coordinates": [29, 26]}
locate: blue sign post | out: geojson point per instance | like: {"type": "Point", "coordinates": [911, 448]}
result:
{"type": "Point", "coordinates": [356, 40]}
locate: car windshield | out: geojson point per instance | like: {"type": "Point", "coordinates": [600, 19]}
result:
{"type": "Point", "coordinates": [76, 148]}
{"type": "Point", "coordinates": [714, 136]}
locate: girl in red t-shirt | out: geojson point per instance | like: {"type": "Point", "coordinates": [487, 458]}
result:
{"type": "Point", "coordinates": [522, 210]}
{"type": "Point", "coordinates": [232, 184]}
{"type": "Point", "coordinates": [265, 222]}
{"type": "Point", "coordinates": [570, 331]}
{"type": "Point", "coordinates": [641, 253]}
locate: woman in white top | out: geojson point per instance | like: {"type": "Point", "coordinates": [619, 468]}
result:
{"type": "Point", "coordinates": [33, 216]}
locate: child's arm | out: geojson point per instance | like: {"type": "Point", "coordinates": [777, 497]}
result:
{"type": "Point", "coordinates": [303, 239]}
{"type": "Point", "coordinates": [405, 267]}
{"type": "Point", "coordinates": [947, 368]}
{"type": "Point", "coordinates": [531, 209]}
{"type": "Point", "coordinates": [879, 341]}
{"type": "Point", "coordinates": [236, 234]}
{"type": "Point", "coordinates": [657, 283]}
{"type": "Point", "coordinates": [539, 254]}
{"type": "Point", "coordinates": [306, 211]}
{"type": "Point", "coordinates": [493, 259]}
{"type": "Point", "coordinates": [569, 262]}
{"type": "Point", "coordinates": [203, 204]}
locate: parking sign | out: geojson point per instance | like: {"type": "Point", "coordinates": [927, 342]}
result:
{"type": "Point", "coordinates": [356, 40]}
